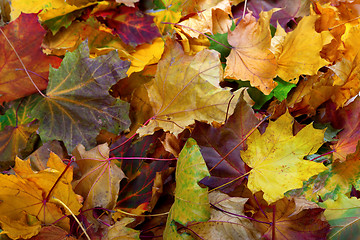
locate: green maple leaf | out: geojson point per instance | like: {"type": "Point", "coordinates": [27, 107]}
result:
{"type": "Point", "coordinates": [78, 103]}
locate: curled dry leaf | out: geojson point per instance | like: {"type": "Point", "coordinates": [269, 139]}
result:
{"type": "Point", "coordinates": [212, 20]}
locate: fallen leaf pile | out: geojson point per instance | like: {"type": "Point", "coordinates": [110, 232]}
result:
{"type": "Point", "coordinates": [219, 119]}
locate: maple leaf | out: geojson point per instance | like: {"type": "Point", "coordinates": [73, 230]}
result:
{"type": "Point", "coordinates": [226, 221]}
{"type": "Point", "coordinates": [343, 216]}
{"type": "Point", "coordinates": [29, 194]}
{"type": "Point", "coordinates": [291, 218]}
{"type": "Point", "coordinates": [179, 97]}
{"type": "Point", "coordinates": [100, 177]}
{"type": "Point", "coordinates": [298, 52]}
{"type": "Point", "coordinates": [38, 159]}
{"type": "Point", "coordinates": [278, 151]}
{"type": "Point", "coordinates": [251, 59]}
{"type": "Point", "coordinates": [330, 19]}
{"type": "Point", "coordinates": [191, 200]}
{"type": "Point", "coordinates": [133, 26]}
{"type": "Point", "coordinates": [78, 104]}
{"type": "Point", "coordinates": [349, 40]}
{"type": "Point", "coordinates": [49, 9]}
{"type": "Point", "coordinates": [25, 34]}
{"type": "Point", "coordinates": [216, 143]}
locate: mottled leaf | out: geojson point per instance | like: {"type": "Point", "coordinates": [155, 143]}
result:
{"type": "Point", "coordinates": [133, 26]}
{"type": "Point", "coordinates": [78, 104]}
{"type": "Point", "coordinates": [343, 216]}
{"type": "Point", "coordinates": [191, 200]}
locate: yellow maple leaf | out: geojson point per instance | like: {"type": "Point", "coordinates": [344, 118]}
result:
{"type": "Point", "coordinates": [49, 9]}
{"type": "Point", "coordinates": [298, 52]}
{"type": "Point", "coordinates": [29, 195]}
{"type": "Point", "coordinates": [251, 59]}
{"type": "Point", "coordinates": [276, 158]}
{"type": "Point", "coordinates": [185, 89]}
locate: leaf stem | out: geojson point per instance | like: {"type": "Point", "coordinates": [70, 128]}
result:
{"type": "Point", "coordinates": [228, 107]}
{"type": "Point", "coordinates": [17, 55]}
{"type": "Point", "coordinates": [143, 158]}
{"type": "Point", "coordinates": [273, 222]}
{"type": "Point", "coordinates": [245, 5]}
{"type": "Point", "coordinates": [58, 179]}
{"type": "Point", "coordinates": [76, 219]}
{"type": "Point", "coordinates": [331, 28]}
{"type": "Point", "coordinates": [324, 154]}
{"type": "Point", "coordinates": [16, 113]}
{"type": "Point", "coordinates": [229, 182]}
{"type": "Point", "coordinates": [238, 215]}
{"type": "Point", "coordinates": [141, 215]}
{"type": "Point", "coordinates": [123, 143]}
